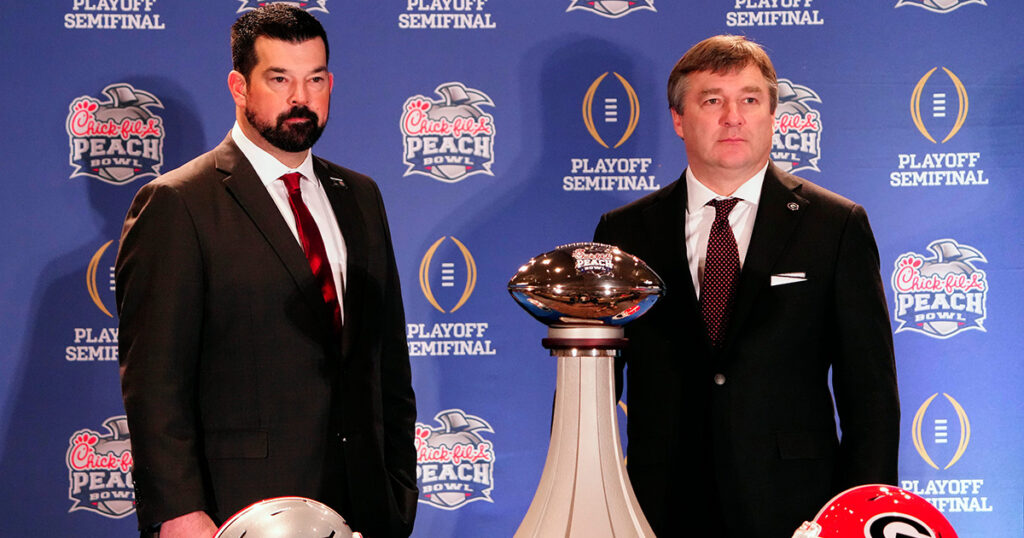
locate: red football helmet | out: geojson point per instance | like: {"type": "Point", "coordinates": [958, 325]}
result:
{"type": "Point", "coordinates": [877, 511]}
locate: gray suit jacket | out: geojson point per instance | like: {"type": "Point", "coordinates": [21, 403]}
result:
{"type": "Point", "coordinates": [235, 385]}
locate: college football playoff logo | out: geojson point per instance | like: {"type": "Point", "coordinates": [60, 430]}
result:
{"type": "Point", "coordinates": [448, 272]}
{"type": "Point", "coordinates": [941, 430]}
{"type": "Point", "coordinates": [935, 98]}
{"type": "Point", "coordinates": [100, 276]}
{"type": "Point", "coordinates": [610, 111]}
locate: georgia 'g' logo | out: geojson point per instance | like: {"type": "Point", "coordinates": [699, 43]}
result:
{"type": "Point", "coordinates": [450, 138]}
{"type": "Point", "coordinates": [609, 116]}
{"type": "Point", "coordinates": [118, 140]}
{"type": "Point", "coordinates": [100, 470]}
{"type": "Point", "coordinates": [449, 271]}
{"type": "Point", "coordinates": [796, 143]}
{"type": "Point", "coordinates": [939, 6]}
{"type": "Point", "coordinates": [941, 431]}
{"type": "Point", "coordinates": [612, 9]}
{"type": "Point", "coordinates": [315, 5]}
{"type": "Point", "coordinates": [895, 524]}
{"type": "Point", "coordinates": [937, 105]}
{"type": "Point", "coordinates": [454, 465]}
{"type": "Point", "coordinates": [943, 294]}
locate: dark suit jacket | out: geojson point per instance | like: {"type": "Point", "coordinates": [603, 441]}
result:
{"type": "Point", "coordinates": [749, 430]}
{"type": "Point", "coordinates": [235, 385]}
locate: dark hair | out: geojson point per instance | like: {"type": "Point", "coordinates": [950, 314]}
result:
{"type": "Point", "coordinates": [721, 54]}
{"type": "Point", "coordinates": [276, 21]}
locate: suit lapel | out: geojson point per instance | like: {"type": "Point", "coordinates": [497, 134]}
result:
{"type": "Point", "coordinates": [353, 230]}
{"type": "Point", "coordinates": [245, 186]}
{"type": "Point", "coordinates": [779, 211]}
{"type": "Point", "coordinates": [667, 219]}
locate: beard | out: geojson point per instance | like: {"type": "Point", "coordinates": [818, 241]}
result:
{"type": "Point", "coordinates": [293, 137]}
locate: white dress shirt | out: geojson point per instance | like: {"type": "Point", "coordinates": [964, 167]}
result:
{"type": "Point", "coordinates": [700, 216]}
{"type": "Point", "coordinates": [270, 171]}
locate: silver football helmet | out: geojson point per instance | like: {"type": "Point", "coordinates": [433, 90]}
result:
{"type": "Point", "coordinates": [286, 517]}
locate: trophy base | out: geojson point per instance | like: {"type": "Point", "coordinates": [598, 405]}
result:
{"type": "Point", "coordinates": [584, 491]}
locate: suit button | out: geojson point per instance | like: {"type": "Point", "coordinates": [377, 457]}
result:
{"type": "Point", "coordinates": [719, 379]}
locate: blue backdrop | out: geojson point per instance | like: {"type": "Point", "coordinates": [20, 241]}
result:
{"type": "Point", "coordinates": [910, 107]}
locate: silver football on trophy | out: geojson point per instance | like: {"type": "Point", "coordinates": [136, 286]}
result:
{"type": "Point", "coordinates": [586, 284]}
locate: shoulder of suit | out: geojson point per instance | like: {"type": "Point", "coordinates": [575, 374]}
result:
{"type": "Point", "coordinates": [341, 172]}
{"type": "Point", "coordinates": [201, 172]}
{"type": "Point", "coordinates": [813, 192]}
{"type": "Point", "coordinates": [357, 182]}
{"type": "Point", "coordinates": [640, 205]}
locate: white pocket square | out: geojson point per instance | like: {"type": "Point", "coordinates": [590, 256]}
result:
{"type": "Point", "coordinates": [788, 278]}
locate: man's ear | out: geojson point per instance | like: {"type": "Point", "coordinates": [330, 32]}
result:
{"type": "Point", "coordinates": [677, 122]}
{"type": "Point", "coordinates": [238, 88]}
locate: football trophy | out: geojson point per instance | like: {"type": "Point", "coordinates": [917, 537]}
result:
{"type": "Point", "coordinates": [585, 293]}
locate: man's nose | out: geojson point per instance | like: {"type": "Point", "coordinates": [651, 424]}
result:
{"type": "Point", "coordinates": [731, 116]}
{"type": "Point", "coordinates": [300, 96]}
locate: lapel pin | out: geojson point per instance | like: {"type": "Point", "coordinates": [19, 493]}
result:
{"type": "Point", "coordinates": [338, 182]}
{"type": "Point", "coordinates": [793, 206]}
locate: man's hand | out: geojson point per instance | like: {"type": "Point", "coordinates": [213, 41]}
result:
{"type": "Point", "coordinates": [191, 525]}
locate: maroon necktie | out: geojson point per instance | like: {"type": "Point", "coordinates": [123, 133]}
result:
{"type": "Point", "coordinates": [721, 272]}
{"type": "Point", "coordinates": [313, 246]}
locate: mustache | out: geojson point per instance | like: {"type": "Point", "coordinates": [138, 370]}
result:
{"type": "Point", "coordinates": [298, 112]}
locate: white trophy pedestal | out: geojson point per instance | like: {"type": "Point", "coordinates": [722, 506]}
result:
{"type": "Point", "coordinates": [584, 491]}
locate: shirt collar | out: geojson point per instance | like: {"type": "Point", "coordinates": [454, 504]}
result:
{"type": "Point", "coordinates": [267, 167]}
{"type": "Point", "coordinates": [698, 196]}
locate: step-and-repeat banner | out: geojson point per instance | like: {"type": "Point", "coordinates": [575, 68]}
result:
{"type": "Point", "coordinates": [912, 108]}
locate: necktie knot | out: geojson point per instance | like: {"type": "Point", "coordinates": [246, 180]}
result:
{"type": "Point", "coordinates": [291, 182]}
{"type": "Point", "coordinates": [723, 207]}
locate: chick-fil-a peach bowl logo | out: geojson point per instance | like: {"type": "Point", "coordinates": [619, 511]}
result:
{"type": "Point", "coordinates": [943, 294]}
{"type": "Point", "coordinates": [118, 140]}
{"type": "Point", "coordinates": [451, 138]}
{"type": "Point", "coordinates": [100, 470]}
{"type": "Point", "coordinates": [796, 142]}
{"type": "Point", "coordinates": [454, 465]}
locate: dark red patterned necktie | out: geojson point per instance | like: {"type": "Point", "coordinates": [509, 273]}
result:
{"type": "Point", "coordinates": [313, 246]}
{"type": "Point", "coordinates": [721, 272]}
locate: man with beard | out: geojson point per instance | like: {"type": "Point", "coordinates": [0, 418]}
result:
{"type": "Point", "coordinates": [262, 345]}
